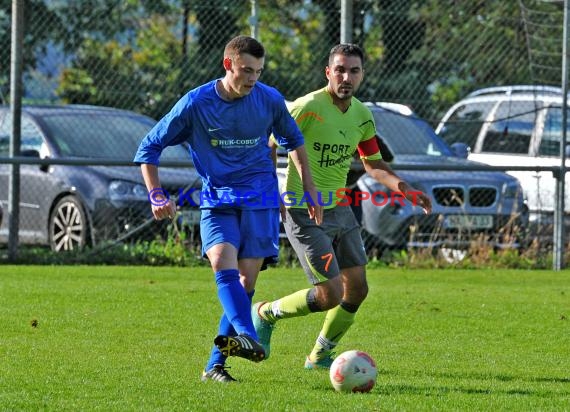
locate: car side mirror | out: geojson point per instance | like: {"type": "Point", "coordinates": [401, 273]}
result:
{"type": "Point", "coordinates": [30, 153]}
{"type": "Point", "coordinates": [461, 150]}
{"type": "Point", "coordinates": [34, 153]}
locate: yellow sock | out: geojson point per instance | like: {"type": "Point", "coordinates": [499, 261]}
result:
{"type": "Point", "coordinates": [337, 323]}
{"type": "Point", "coordinates": [290, 306]}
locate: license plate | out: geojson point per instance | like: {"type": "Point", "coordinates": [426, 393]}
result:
{"type": "Point", "coordinates": [190, 217]}
{"type": "Point", "coordinates": [469, 221]}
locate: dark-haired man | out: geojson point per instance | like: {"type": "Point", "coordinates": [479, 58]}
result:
{"type": "Point", "coordinates": [335, 124]}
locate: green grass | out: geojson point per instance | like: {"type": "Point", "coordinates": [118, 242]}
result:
{"type": "Point", "coordinates": [136, 338]}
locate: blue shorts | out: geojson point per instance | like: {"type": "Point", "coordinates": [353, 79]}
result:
{"type": "Point", "coordinates": [253, 232]}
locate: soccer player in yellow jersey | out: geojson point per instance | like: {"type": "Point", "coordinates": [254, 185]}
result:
{"type": "Point", "coordinates": [335, 124]}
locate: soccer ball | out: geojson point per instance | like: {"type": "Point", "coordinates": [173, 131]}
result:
{"type": "Point", "coordinates": [353, 371]}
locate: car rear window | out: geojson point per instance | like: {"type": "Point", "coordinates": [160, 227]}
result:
{"type": "Point", "coordinates": [512, 127]}
{"type": "Point", "coordinates": [552, 134]}
{"type": "Point", "coordinates": [465, 124]}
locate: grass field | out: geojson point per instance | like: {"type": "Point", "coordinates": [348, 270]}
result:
{"type": "Point", "coordinates": [105, 338]}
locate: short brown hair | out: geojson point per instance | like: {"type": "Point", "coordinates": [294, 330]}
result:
{"type": "Point", "coordinates": [244, 44]}
{"type": "Point", "coordinates": [346, 49]}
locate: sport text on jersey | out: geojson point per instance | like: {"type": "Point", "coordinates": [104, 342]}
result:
{"type": "Point", "coordinates": [332, 154]}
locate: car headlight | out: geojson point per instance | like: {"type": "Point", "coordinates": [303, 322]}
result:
{"type": "Point", "coordinates": [121, 190]}
{"type": "Point", "coordinates": [512, 190]}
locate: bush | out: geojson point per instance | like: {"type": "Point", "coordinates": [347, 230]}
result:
{"type": "Point", "coordinates": [180, 249]}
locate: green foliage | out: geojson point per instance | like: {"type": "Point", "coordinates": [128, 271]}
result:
{"type": "Point", "coordinates": [81, 338]}
{"type": "Point", "coordinates": [180, 248]}
{"type": "Point", "coordinates": [290, 55]}
{"type": "Point", "coordinates": [143, 55]}
{"type": "Point", "coordinates": [145, 75]}
{"type": "Point", "coordinates": [480, 29]}
{"type": "Point", "coordinates": [35, 40]}
{"type": "Point", "coordinates": [479, 256]}
{"type": "Point", "coordinates": [176, 248]}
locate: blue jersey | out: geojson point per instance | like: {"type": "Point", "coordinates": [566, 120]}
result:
{"type": "Point", "coordinates": [228, 143]}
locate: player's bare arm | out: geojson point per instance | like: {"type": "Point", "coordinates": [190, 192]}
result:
{"type": "Point", "coordinates": [383, 174]}
{"type": "Point", "coordinates": [273, 147]}
{"type": "Point", "coordinates": [301, 161]}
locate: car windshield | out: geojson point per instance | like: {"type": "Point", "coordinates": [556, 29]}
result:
{"type": "Point", "coordinates": [406, 135]}
{"type": "Point", "coordinates": [104, 135]}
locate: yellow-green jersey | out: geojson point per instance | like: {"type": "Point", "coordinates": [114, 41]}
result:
{"type": "Point", "coordinates": [331, 140]}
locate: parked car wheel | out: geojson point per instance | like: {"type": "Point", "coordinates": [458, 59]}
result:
{"type": "Point", "coordinates": [68, 226]}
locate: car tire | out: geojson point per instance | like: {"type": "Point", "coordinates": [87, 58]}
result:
{"type": "Point", "coordinates": [68, 226]}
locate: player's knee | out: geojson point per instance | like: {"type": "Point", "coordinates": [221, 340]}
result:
{"type": "Point", "coordinates": [248, 283]}
{"type": "Point", "coordinates": [329, 294]}
{"type": "Point", "coordinates": [363, 291]}
{"type": "Point", "coordinates": [356, 292]}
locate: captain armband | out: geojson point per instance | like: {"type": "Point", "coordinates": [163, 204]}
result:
{"type": "Point", "coordinates": [369, 149]}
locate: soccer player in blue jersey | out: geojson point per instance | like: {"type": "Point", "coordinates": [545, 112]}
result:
{"type": "Point", "coordinates": [227, 123]}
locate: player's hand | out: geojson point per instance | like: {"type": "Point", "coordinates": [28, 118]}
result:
{"type": "Point", "coordinates": [417, 197]}
{"type": "Point", "coordinates": [424, 201]}
{"type": "Point", "coordinates": [164, 211]}
{"type": "Point", "coordinates": [282, 212]}
{"type": "Point", "coordinates": [314, 206]}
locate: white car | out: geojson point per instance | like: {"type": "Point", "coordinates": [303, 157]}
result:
{"type": "Point", "coordinates": [514, 126]}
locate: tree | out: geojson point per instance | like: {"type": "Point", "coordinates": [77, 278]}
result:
{"type": "Point", "coordinates": [144, 54]}
{"type": "Point", "coordinates": [467, 46]}
{"type": "Point", "coordinates": [35, 40]}
{"type": "Point", "coordinates": [141, 77]}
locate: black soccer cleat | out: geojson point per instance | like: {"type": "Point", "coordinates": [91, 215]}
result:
{"type": "Point", "coordinates": [242, 346]}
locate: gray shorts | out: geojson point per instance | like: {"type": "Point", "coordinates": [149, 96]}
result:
{"type": "Point", "coordinates": [326, 249]}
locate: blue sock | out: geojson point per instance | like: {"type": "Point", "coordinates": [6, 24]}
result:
{"type": "Point", "coordinates": [225, 328]}
{"type": "Point", "coordinates": [235, 302]}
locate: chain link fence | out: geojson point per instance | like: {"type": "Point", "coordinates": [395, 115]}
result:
{"type": "Point", "coordinates": [421, 56]}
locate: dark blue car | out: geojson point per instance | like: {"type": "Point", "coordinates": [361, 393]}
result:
{"type": "Point", "coordinates": [469, 207]}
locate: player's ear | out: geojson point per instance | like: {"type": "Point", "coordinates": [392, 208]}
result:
{"type": "Point", "coordinates": [227, 63]}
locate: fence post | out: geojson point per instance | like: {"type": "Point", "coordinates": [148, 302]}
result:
{"type": "Point", "coordinates": [559, 211]}
{"type": "Point", "coordinates": [16, 110]}
{"type": "Point", "coordinates": [346, 18]}
{"type": "Point", "coordinates": [254, 20]}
